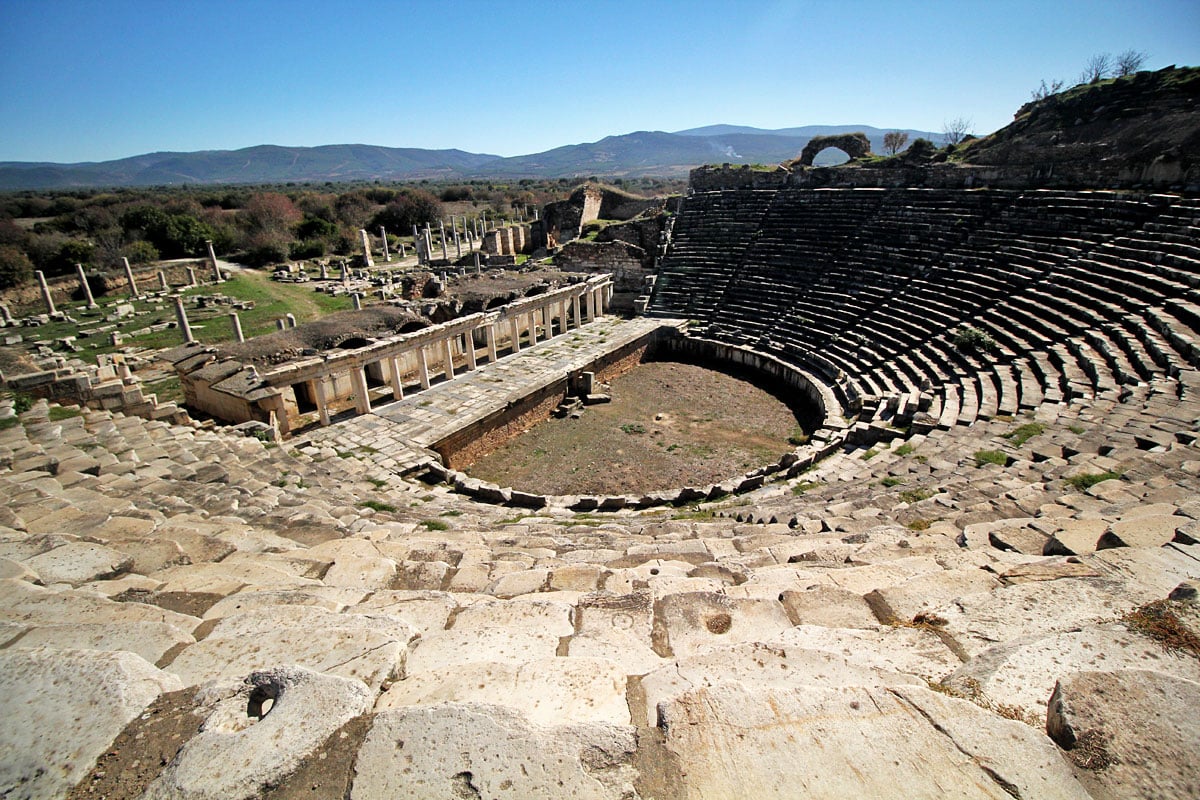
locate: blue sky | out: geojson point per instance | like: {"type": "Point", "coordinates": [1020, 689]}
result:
{"type": "Point", "coordinates": [102, 79]}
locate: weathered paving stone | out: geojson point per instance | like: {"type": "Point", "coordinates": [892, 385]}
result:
{"type": "Point", "coordinates": [548, 691]}
{"type": "Point", "coordinates": [79, 562]}
{"type": "Point", "coordinates": [496, 754]}
{"type": "Point", "coordinates": [62, 709]}
{"type": "Point", "coordinates": [817, 742]}
{"type": "Point", "coordinates": [1134, 733]}
{"type": "Point", "coordinates": [257, 731]}
{"type": "Point", "coordinates": [367, 648]}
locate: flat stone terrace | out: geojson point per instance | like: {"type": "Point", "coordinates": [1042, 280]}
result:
{"type": "Point", "coordinates": [397, 434]}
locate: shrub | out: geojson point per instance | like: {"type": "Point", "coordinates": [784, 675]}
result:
{"type": "Point", "coordinates": [140, 252]}
{"type": "Point", "coordinates": [991, 457]}
{"type": "Point", "coordinates": [973, 340]}
{"type": "Point", "coordinates": [375, 505]}
{"type": "Point", "coordinates": [309, 248]}
{"type": "Point", "coordinates": [633, 427]}
{"type": "Point", "coordinates": [1084, 482]}
{"type": "Point", "coordinates": [15, 267]}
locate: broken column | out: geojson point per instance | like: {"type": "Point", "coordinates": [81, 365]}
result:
{"type": "Point", "coordinates": [366, 245]}
{"type": "Point", "coordinates": [478, 269]}
{"type": "Point", "coordinates": [192, 277]}
{"type": "Point", "coordinates": [46, 298]}
{"type": "Point", "coordinates": [357, 299]}
{"type": "Point", "coordinates": [291, 320]}
{"type": "Point", "coordinates": [6, 315]}
{"type": "Point", "coordinates": [133, 290]}
{"type": "Point", "coordinates": [181, 318]}
{"type": "Point", "coordinates": [212, 260]}
{"type": "Point", "coordinates": [162, 281]}
{"type": "Point", "coordinates": [236, 322]}
{"type": "Point", "coordinates": [83, 284]}
{"type": "Point", "coordinates": [324, 271]}
{"type": "Point", "coordinates": [387, 256]}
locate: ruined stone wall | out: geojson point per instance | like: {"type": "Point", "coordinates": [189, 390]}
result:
{"type": "Point", "coordinates": [98, 388]}
{"type": "Point", "coordinates": [466, 446]}
{"type": "Point", "coordinates": [1163, 173]}
{"type": "Point", "coordinates": [626, 262]}
{"type": "Point", "coordinates": [472, 443]}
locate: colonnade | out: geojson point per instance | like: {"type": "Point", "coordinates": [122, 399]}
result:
{"type": "Point", "coordinates": [338, 377]}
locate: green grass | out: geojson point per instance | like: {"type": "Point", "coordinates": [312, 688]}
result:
{"type": "Point", "coordinates": [998, 457]}
{"type": "Point", "coordinates": [891, 481]}
{"type": "Point", "coordinates": [1084, 482]}
{"type": "Point", "coordinates": [916, 495]}
{"type": "Point", "coordinates": [867, 456]}
{"type": "Point", "coordinates": [798, 436]}
{"type": "Point", "coordinates": [9, 422]}
{"type": "Point", "coordinates": [633, 427]}
{"type": "Point", "coordinates": [58, 413]}
{"type": "Point", "coordinates": [919, 524]}
{"type": "Point", "coordinates": [904, 449]}
{"type": "Point", "coordinates": [434, 525]}
{"type": "Point", "coordinates": [375, 505]}
{"type": "Point", "coordinates": [1024, 433]}
{"type": "Point", "coordinates": [803, 486]}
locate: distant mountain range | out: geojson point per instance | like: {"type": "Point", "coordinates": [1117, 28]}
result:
{"type": "Point", "coordinates": [629, 155]}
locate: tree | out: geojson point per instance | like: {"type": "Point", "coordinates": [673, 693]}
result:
{"type": "Point", "coordinates": [15, 267]}
{"type": "Point", "coordinates": [956, 130]}
{"type": "Point", "coordinates": [1097, 68]}
{"type": "Point", "coordinates": [894, 141]}
{"type": "Point", "coordinates": [412, 207]}
{"type": "Point", "coordinates": [269, 212]}
{"type": "Point", "coordinates": [1129, 62]}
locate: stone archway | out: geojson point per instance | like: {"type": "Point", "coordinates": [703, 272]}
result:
{"type": "Point", "coordinates": [855, 145]}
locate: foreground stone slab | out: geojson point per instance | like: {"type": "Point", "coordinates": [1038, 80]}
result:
{"type": "Point", "coordinates": [495, 753]}
{"type": "Point", "coordinates": [548, 691]}
{"type": "Point", "coordinates": [150, 640]}
{"type": "Point", "coordinates": [1022, 673]}
{"type": "Point", "coordinates": [79, 562]}
{"type": "Point", "coordinates": [730, 741]}
{"type": "Point", "coordinates": [62, 709]}
{"type": "Point", "coordinates": [1136, 732]}
{"type": "Point", "coordinates": [257, 731]}
{"type": "Point", "coordinates": [360, 646]}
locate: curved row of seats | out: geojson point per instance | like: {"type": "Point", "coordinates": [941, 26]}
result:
{"type": "Point", "coordinates": [1082, 293]}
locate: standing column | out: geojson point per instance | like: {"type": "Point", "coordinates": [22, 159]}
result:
{"type": "Point", "coordinates": [318, 393]}
{"type": "Point", "coordinates": [489, 331]}
{"type": "Point", "coordinates": [478, 268]}
{"type": "Point", "coordinates": [356, 298]}
{"type": "Point", "coordinates": [324, 271]}
{"type": "Point", "coordinates": [532, 328]}
{"type": "Point", "coordinates": [575, 310]}
{"type": "Point", "coordinates": [192, 277]}
{"type": "Point", "coordinates": [387, 256]}
{"type": "Point", "coordinates": [469, 339]}
{"type": "Point", "coordinates": [212, 260]}
{"type": "Point", "coordinates": [362, 400]}
{"type": "Point", "coordinates": [181, 318]}
{"type": "Point", "coordinates": [46, 298]}
{"type": "Point", "coordinates": [442, 233]}
{"type": "Point", "coordinates": [422, 367]}
{"type": "Point", "coordinates": [133, 290]}
{"type": "Point", "coordinates": [516, 334]}
{"type": "Point", "coordinates": [236, 323]}
{"type": "Point", "coordinates": [83, 284]}
{"type": "Point", "coordinates": [448, 348]}
{"type": "Point", "coordinates": [562, 315]}
{"type": "Point", "coordinates": [162, 281]}
{"type": "Point", "coordinates": [366, 246]}
{"type": "Point", "coordinates": [457, 241]}
{"type": "Point", "coordinates": [396, 378]}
